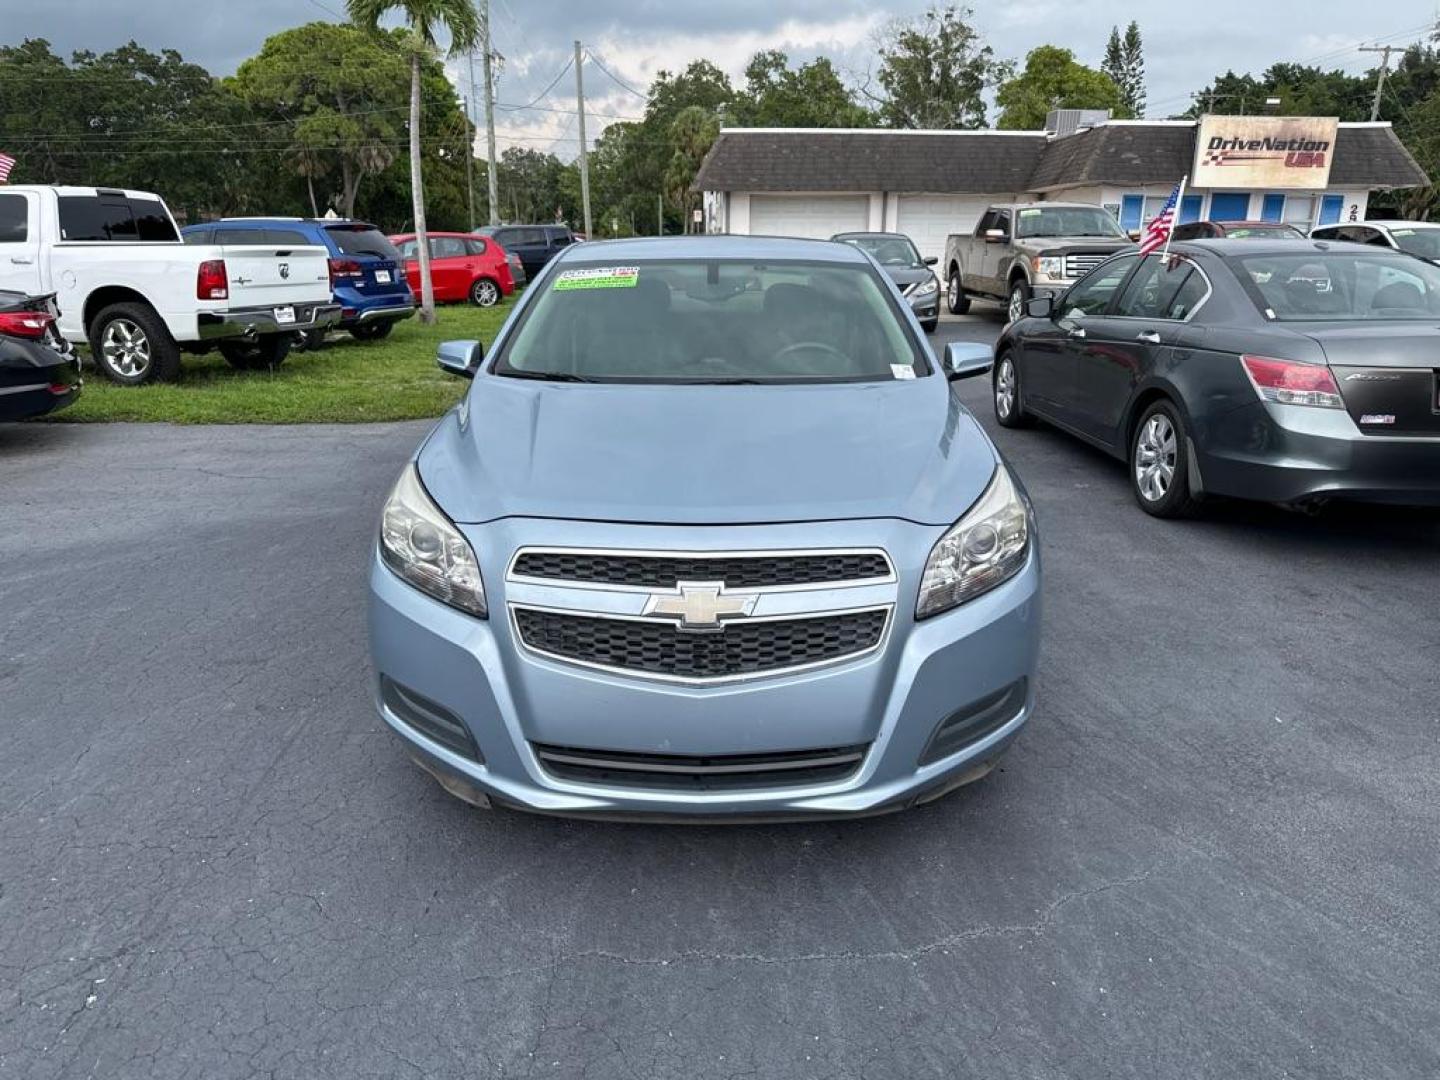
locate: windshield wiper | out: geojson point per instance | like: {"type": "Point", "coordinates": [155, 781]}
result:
{"type": "Point", "coordinates": [737, 380]}
{"type": "Point", "coordinates": [544, 376]}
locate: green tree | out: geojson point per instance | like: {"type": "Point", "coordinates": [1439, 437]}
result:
{"type": "Point", "coordinates": [693, 132]}
{"type": "Point", "coordinates": [339, 93]}
{"type": "Point", "coordinates": [423, 18]}
{"type": "Point", "coordinates": [1125, 65]}
{"type": "Point", "coordinates": [811, 95]}
{"type": "Point", "coordinates": [640, 155]}
{"type": "Point", "coordinates": [934, 70]}
{"type": "Point", "coordinates": [1053, 79]}
{"type": "Point", "coordinates": [125, 118]}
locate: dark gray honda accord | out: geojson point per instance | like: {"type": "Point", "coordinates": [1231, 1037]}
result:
{"type": "Point", "coordinates": [1286, 372]}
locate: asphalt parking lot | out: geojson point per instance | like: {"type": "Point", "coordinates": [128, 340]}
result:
{"type": "Point", "coordinates": [1214, 853]}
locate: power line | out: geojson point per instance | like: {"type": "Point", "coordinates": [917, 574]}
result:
{"type": "Point", "coordinates": [543, 93]}
{"type": "Point", "coordinates": [615, 78]}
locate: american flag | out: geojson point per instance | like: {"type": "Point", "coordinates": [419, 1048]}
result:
{"type": "Point", "coordinates": [6, 164]}
{"type": "Point", "coordinates": [1157, 233]}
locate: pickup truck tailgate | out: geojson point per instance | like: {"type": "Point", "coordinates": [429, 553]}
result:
{"type": "Point", "coordinates": [274, 277]}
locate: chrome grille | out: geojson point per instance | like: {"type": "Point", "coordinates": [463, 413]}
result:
{"type": "Point", "coordinates": [643, 571]}
{"type": "Point", "coordinates": [661, 649]}
{"type": "Point", "coordinates": [687, 772]}
{"type": "Point", "coordinates": [1080, 265]}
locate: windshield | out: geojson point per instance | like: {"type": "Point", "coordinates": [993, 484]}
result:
{"type": "Point", "coordinates": [712, 321]}
{"type": "Point", "coordinates": [1069, 221]}
{"type": "Point", "coordinates": [1341, 286]}
{"type": "Point", "coordinates": [888, 250]}
{"type": "Point", "coordinates": [1422, 242]}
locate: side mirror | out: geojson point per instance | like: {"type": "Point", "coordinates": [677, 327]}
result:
{"type": "Point", "coordinates": [967, 359]}
{"type": "Point", "coordinates": [931, 260]}
{"type": "Point", "coordinates": [1040, 307]}
{"type": "Point", "coordinates": [461, 358]}
{"type": "Point", "coordinates": [994, 236]}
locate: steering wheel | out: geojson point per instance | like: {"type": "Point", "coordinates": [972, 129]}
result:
{"type": "Point", "coordinates": [814, 346]}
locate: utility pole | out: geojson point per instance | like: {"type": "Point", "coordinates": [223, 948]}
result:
{"type": "Point", "coordinates": [493, 167]}
{"type": "Point", "coordinates": [584, 153]}
{"type": "Point", "coordinates": [660, 213]}
{"type": "Point", "coordinates": [1385, 51]}
{"type": "Point", "coordinates": [470, 149]}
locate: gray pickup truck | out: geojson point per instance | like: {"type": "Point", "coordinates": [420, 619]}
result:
{"type": "Point", "coordinates": [1028, 249]}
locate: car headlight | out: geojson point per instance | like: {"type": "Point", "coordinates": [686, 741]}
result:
{"type": "Point", "coordinates": [927, 288]}
{"type": "Point", "coordinates": [1050, 266]}
{"type": "Point", "coordinates": [986, 547]}
{"type": "Point", "coordinates": [421, 545]}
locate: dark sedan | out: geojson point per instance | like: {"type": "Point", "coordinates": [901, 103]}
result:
{"type": "Point", "coordinates": [900, 259]}
{"type": "Point", "coordinates": [39, 371]}
{"type": "Point", "coordinates": [1290, 372]}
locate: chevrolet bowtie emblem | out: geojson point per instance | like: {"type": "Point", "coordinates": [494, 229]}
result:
{"type": "Point", "coordinates": [700, 605]}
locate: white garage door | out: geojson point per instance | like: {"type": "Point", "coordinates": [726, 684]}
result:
{"type": "Point", "coordinates": [816, 216]}
{"type": "Point", "coordinates": [929, 219]}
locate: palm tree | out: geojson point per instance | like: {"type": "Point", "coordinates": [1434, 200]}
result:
{"type": "Point", "coordinates": [423, 17]}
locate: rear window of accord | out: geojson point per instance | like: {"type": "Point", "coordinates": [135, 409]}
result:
{"type": "Point", "coordinates": [1337, 286]}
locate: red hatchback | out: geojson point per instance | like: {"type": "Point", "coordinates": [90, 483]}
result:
{"type": "Point", "coordinates": [462, 267]}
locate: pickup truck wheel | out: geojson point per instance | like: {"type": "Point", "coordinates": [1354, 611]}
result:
{"type": "Point", "coordinates": [373, 331]}
{"type": "Point", "coordinates": [1009, 404]}
{"type": "Point", "coordinates": [955, 298]}
{"type": "Point", "coordinates": [263, 353]}
{"type": "Point", "coordinates": [484, 293]}
{"type": "Point", "coordinates": [1019, 294]}
{"type": "Point", "coordinates": [131, 345]}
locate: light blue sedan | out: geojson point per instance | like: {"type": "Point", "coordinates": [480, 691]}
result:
{"type": "Point", "coordinates": [709, 537]}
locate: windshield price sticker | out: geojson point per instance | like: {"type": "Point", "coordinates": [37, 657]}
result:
{"type": "Point", "coordinates": [600, 277]}
{"type": "Point", "coordinates": [902, 371]}
{"type": "Point", "coordinates": [1030, 213]}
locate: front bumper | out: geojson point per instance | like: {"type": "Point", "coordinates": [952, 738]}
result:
{"type": "Point", "coordinates": [891, 701]}
{"type": "Point", "coordinates": [926, 308]}
{"type": "Point", "coordinates": [1294, 454]}
{"type": "Point", "coordinates": [252, 321]}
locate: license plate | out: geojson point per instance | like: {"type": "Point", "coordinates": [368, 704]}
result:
{"type": "Point", "coordinates": [284, 315]}
{"type": "Point", "coordinates": [383, 277]}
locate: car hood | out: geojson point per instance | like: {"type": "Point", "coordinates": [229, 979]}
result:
{"type": "Point", "coordinates": [1094, 243]}
{"type": "Point", "coordinates": [905, 276]}
{"type": "Point", "coordinates": [707, 455]}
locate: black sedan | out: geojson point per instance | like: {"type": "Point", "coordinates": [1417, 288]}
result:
{"type": "Point", "coordinates": [1284, 371]}
{"type": "Point", "coordinates": [39, 371]}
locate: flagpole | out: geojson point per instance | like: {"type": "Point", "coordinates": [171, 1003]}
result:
{"type": "Point", "coordinates": [1175, 218]}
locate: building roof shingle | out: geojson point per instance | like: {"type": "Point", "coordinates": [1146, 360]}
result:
{"type": "Point", "coordinates": [984, 162]}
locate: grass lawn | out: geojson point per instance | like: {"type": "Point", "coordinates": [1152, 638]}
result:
{"type": "Point", "coordinates": [347, 381]}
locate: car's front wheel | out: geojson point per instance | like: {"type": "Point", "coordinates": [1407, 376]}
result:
{"type": "Point", "coordinates": [1160, 463]}
{"type": "Point", "coordinates": [1019, 295]}
{"type": "Point", "coordinates": [1009, 405]}
{"type": "Point", "coordinates": [260, 354]}
{"type": "Point", "coordinates": [484, 293]}
{"type": "Point", "coordinates": [955, 297]}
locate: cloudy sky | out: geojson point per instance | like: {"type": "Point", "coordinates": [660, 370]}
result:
{"type": "Point", "coordinates": [633, 39]}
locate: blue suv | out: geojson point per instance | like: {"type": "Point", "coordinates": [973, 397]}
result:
{"type": "Point", "coordinates": [367, 274]}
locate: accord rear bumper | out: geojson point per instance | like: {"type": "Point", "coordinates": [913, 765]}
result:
{"type": "Point", "coordinates": [1296, 454]}
{"type": "Point", "coordinates": [493, 720]}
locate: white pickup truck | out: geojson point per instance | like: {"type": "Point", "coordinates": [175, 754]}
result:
{"type": "Point", "coordinates": [128, 285]}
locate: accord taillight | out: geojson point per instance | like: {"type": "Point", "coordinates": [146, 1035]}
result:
{"type": "Point", "coordinates": [1287, 383]}
{"type": "Point", "coordinates": [25, 324]}
{"type": "Point", "coordinates": [211, 281]}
